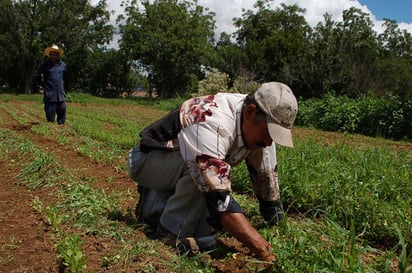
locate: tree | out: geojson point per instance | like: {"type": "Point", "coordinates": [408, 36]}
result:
{"type": "Point", "coordinates": [171, 40]}
{"type": "Point", "coordinates": [274, 41]}
{"type": "Point", "coordinates": [349, 58]}
{"type": "Point", "coordinates": [18, 43]}
{"type": "Point", "coordinates": [395, 62]}
{"type": "Point", "coordinates": [230, 58]}
{"type": "Point", "coordinates": [108, 73]}
{"type": "Point", "coordinates": [359, 48]}
{"type": "Point", "coordinates": [29, 26]}
{"type": "Point", "coordinates": [395, 42]}
{"type": "Point", "coordinates": [323, 70]}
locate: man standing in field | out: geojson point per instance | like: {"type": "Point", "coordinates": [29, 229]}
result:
{"type": "Point", "coordinates": [183, 166]}
{"type": "Point", "coordinates": [51, 75]}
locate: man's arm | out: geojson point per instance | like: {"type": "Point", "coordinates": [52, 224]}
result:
{"type": "Point", "coordinates": [38, 76]}
{"type": "Point", "coordinates": [237, 225]}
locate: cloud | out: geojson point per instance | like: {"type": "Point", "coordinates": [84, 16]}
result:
{"type": "Point", "coordinates": [315, 9]}
{"type": "Point", "coordinates": [226, 10]}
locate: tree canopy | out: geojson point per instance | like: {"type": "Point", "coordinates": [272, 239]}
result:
{"type": "Point", "coordinates": [171, 43]}
{"type": "Point", "coordinates": [274, 41]}
{"type": "Point", "coordinates": [171, 40]}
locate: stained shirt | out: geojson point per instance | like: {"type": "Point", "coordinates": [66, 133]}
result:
{"type": "Point", "coordinates": [53, 80]}
{"type": "Point", "coordinates": [211, 142]}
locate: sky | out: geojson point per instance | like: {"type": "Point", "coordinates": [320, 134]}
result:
{"type": "Point", "coordinates": [399, 10]}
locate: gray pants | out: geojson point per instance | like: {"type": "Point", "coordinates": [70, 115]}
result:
{"type": "Point", "coordinates": [165, 172]}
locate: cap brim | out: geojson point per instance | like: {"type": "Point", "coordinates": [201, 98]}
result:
{"type": "Point", "coordinates": [280, 134]}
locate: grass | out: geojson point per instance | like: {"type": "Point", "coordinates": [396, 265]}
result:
{"type": "Point", "coordinates": [348, 202]}
{"type": "Point", "coordinates": [368, 188]}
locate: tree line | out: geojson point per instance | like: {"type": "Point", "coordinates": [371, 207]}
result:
{"type": "Point", "coordinates": [169, 46]}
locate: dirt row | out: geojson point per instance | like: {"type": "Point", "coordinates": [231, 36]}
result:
{"type": "Point", "coordinates": [28, 243]}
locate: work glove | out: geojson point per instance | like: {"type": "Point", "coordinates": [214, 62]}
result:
{"type": "Point", "coordinates": [272, 211]}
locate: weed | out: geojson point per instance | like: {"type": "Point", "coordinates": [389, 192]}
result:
{"type": "Point", "coordinates": [405, 255]}
{"type": "Point", "coordinates": [197, 263]}
{"type": "Point", "coordinates": [87, 206]}
{"type": "Point", "coordinates": [72, 258]}
{"type": "Point", "coordinates": [12, 243]}
{"type": "Point", "coordinates": [54, 219]}
{"type": "Point", "coordinates": [37, 204]}
{"type": "Point", "coordinates": [42, 170]}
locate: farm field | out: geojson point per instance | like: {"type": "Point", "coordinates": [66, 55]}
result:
{"type": "Point", "coordinates": [67, 204]}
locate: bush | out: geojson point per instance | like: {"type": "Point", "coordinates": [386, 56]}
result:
{"type": "Point", "coordinates": [214, 83]}
{"type": "Point", "coordinates": [387, 117]}
{"type": "Point", "coordinates": [218, 82]}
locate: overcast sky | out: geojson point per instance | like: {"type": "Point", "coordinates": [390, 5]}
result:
{"type": "Point", "coordinates": [226, 10]}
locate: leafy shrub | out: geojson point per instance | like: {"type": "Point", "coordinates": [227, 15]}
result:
{"type": "Point", "coordinates": [243, 85]}
{"type": "Point", "coordinates": [387, 117]}
{"type": "Point", "coordinates": [219, 82]}
{"type": "Point", "coordinates": [214, 83]}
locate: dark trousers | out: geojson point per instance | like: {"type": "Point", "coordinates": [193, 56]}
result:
{"type": "Point", "coordinates": [52, 108]}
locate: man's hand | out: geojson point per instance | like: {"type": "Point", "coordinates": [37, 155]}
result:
{"type": "Point", "coordinates": [237, 225]}
{"type": "Point", "coordinates": [269, 258]}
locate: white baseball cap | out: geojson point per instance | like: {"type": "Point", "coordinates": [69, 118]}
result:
{"type": "Point", "coordinates": [278, 102]}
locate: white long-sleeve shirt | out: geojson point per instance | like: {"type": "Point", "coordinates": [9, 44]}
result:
{"type": "Point", "coordinates": [210, 142]}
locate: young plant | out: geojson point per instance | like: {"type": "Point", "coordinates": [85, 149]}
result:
{"type": "Point", "coordinates": [70, 250]}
